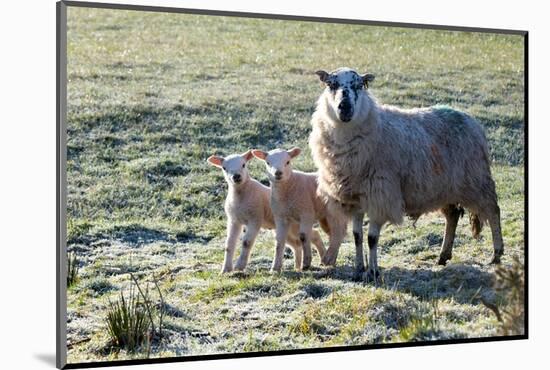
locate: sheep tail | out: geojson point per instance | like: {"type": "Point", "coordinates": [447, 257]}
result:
{"type": "Point", "coordinates": [476, 225]}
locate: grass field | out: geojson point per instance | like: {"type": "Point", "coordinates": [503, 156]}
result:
{"type": "Point", "coordinates": [151, 96]}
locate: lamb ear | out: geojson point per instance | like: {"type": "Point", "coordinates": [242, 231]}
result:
{"type": "Point", "coordinates": [323, 76]}
{"type": "Point", "coordinates": [260, 154]}
{"type": "Point", "coordinates": [367, 77]}
{"type": "Point", "coordinates": [214, 160]}
{"type": "Point", "coordinates": [248, 155]}
{"type": "Point", "coordinates": [294, 152]}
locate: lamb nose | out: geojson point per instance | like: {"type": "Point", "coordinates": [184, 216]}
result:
{"type": "Point", "coordinates": [278, 173]}
{"type": "Point", "coordinates": [237, 177]}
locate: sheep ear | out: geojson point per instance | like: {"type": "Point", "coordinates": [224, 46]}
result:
{"type": "Point", "coordinates": [248, 155]}
{"type": "Point", "coordinates": [260, 154]}
{"type": "Point", "coordinates": [214, 160]}
{"type": "Point", "coordinates": [367, 77]}
{"type": "Point", "coordinates": [294, 152]}
{"type": "Point", "coordinates": [323, 76]}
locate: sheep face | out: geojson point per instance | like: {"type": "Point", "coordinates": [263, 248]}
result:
{"type": "Point", "coordinates": [233, 167]}
{"type": "Point", "coordinates": [344, 87]}
{"type": "Point", "coordinates": [277, 163]}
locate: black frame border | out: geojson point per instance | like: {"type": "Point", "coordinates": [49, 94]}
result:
{"type": "Point", "coordinates": [61, 185]}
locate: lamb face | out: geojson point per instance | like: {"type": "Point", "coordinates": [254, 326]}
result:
{"type": "Point", "coordinates": [233, 167]}
{"type": "Point", "coordinates": [277, 163]}
{"type": "Point", "coordinates": [344, 88]}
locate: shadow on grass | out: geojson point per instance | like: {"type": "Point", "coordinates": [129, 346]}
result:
{"type": "Point", "coordinates": [138, 236]}
{"type": "Point", "coordinates": [231, 126]}
{"type": "Point", "coordinates": [217, 124]}
{"type": "Point", "coordinates": [463, 283]}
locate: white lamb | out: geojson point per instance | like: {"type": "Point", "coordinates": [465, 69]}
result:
{"type": "Point", "coordinates": [294, 199]}
{"type": "Point", "coordinates": [247, 204]}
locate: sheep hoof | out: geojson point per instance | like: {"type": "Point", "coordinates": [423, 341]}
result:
{"type": "Point", "coordinates": [240, 265]}
{"type": "Point", "coordinates": [372, 276]}
{"type": "Point", "coordinates": [359, 274]}
{"type": "Point", "coordinates": [443, 260]}
{"type": "Point", "coordinates": [327, 261]}
{"type": "Point", "coordinates": [495, 260]}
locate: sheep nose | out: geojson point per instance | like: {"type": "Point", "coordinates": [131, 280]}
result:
{"type": "Point", "coordinates": [344, 105]}
{"type": "Point", "coordinates": [278, 174]}
{"type": "Point", "coordinates": [236, 177]}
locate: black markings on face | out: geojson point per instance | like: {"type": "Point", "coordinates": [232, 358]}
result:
{"type": "Point", "coordinates": [356, 85]}
{"type": "Point", "coordinates": [333, 85]}
{"type": "Point", "coordinates": [349, 83]}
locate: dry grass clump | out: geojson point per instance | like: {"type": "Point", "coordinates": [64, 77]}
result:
{"type": "Point", "coordinates": [510, 284]}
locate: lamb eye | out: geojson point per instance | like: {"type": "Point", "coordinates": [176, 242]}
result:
{"type": "Point", "coordinates": [224, 169]}
{"type": "Point", "coordinates": [287, 163]}
{"type": "Point", "coordinates": [243, 165]}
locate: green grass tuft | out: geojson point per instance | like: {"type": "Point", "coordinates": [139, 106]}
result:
{"type": "Point", "coordinates": [72, 269]}
{"type": "Point", "coordinates": [127, 321]}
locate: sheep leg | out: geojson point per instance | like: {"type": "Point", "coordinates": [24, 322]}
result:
{"type": "Point", "coordinates": [281, 232]}
{"type": "Point", "coordinates": [298, 255]}
{"type": "Point", "coordinates": [498, 244]}
{"type": "Point", "coordinates": [233, 231]}
{"type": "Point", "coordinates": [306, 226]}
{"type": "Point", "coordinates": [358, 238]}
{"type": "Point", "coordinates": [336, 236]}
{"type": "Point", "coordinates": [249, 237]}
{"type": "Point", "coordinates": [452, 214]}
{"type": "Point", "coordinates": [318, 243]}
{"type": "Point", "coordinates": [373, 235]}
{"type": "Point", "coordinates": [330, 256]}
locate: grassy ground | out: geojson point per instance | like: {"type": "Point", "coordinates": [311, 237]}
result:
{"type": "Point", "coordinates": [151, 96]}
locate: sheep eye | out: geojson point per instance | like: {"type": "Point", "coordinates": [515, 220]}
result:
{"type": "Point", "coordinates": [224, 169]}
{"type": "Point", "coordinates": [333, 85]}
{"type": "Point", "coordinates": [287, 163]}
{"type": "Point", "coordinates": [269, 164]}
{"type": "Point", "coordinates": [243, 165]}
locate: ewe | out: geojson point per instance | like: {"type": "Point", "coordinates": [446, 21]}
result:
{"type": "Point", "coordinates": [388, 162]}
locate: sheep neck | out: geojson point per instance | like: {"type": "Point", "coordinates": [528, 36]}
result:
{"type": "Point", "coordinates": [344, 143]}
{"type": "Point", "coordinates": [281, 189]}
{"type": "Point", "coordinates": [238, 191]}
